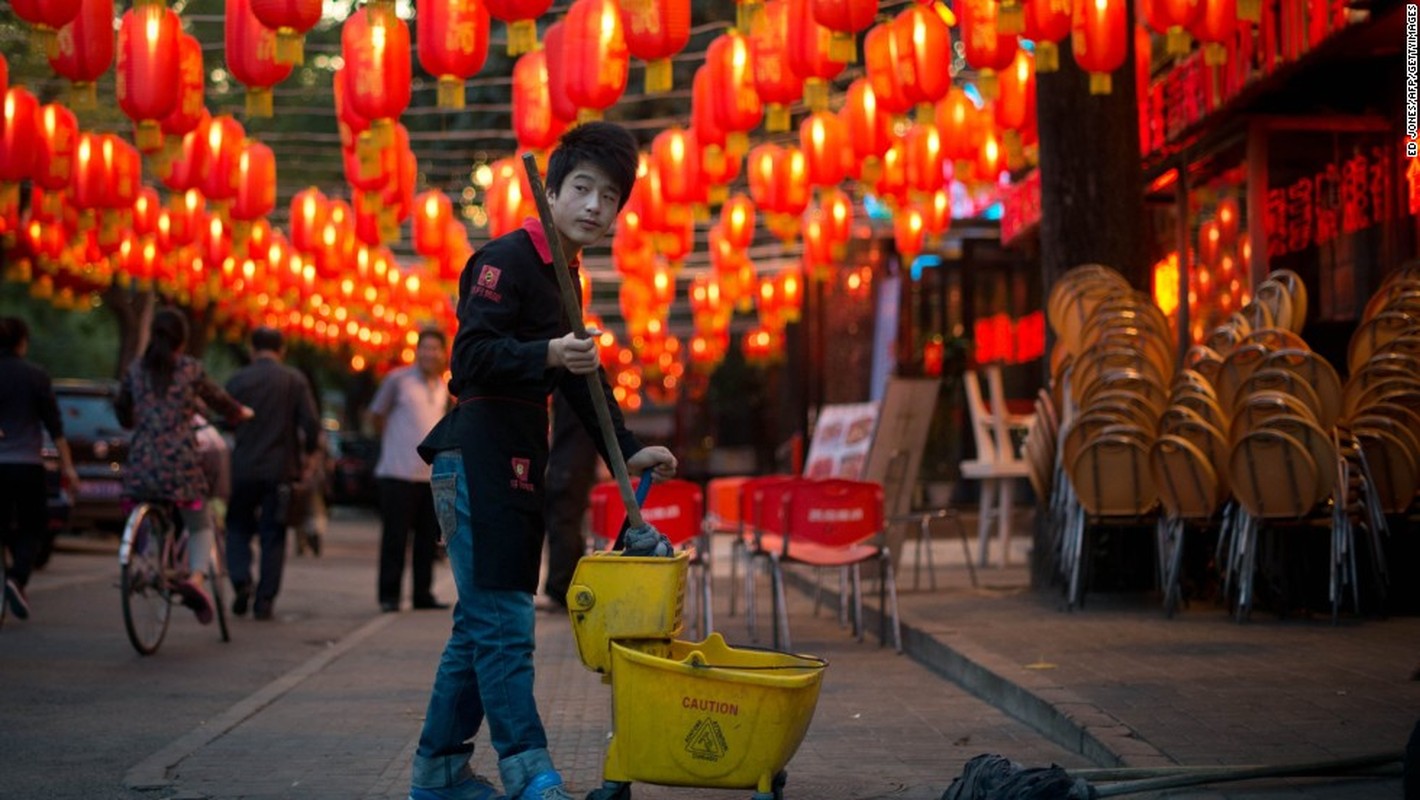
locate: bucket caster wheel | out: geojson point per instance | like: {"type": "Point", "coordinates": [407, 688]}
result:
{"type": "Point", "coordinates": [611, 790]}
{"type": "Point", "coordinates": [776, 788]}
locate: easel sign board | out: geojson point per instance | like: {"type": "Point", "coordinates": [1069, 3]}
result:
{"type": "Point", "coordinates": [843, 435]}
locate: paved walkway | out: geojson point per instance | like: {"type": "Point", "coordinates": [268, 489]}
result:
{"type": "Point", "coordinates": [997, 669]}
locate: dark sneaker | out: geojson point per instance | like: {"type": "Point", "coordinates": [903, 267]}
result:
{"type": "Point", "coordinates": [15, 598]}
{"type": "Point", "coordinates": [196, 599]}
{"type": "Point", "coordinates": [262, 610]}
{"type": "Point", "coordinates": [241, 600]}
{"type": "Point", "coordinates": [429, 603]}
{"type": "Point", "coordinates": [475, 788]}
{"type": "Point", "coordinates": [545, 786]}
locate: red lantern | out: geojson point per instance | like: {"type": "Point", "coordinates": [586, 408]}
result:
{"type": "Point", "coordinates": [761, 174]}
{"type": "Point", "coordinates": [924, 36]}
{"type": "Point", "coordinates": [291, 19]}
{"type": "Point", "coordinates": [256, 182]}
{"type": "Point", "coordinates": [774, 82]}
{"type": "Point", "coordinates": [309, 213]}
{"type": "Point", "coordinates": [220, 157]}
{"type": "Point", "coordinates": [923, 158]}
{"type": "Point", "coordinates": [1100, 39]}
{"type": "Point", "coordinates": [350, 124]}
{"type": "Point", "coordinates": [370, 171]}
{"type": "Point", "coordinates": [791, 187]}
{"type": "Point", "coordinates": [1173, 18]}
{"type": "Point", "coordinates": [987, 48]}
{"type": "Point", "coordinates": [191, 108]}
{"type": "Point", "coordinates": [558, 68]}
{"type": "Point", "coordinates": [521, 16]}
{"type": "Point", "coordinates": [378, 73]}
{"type": "Point", "coordinates": [146, 208]}
{"type": "Point", "coordinates": [655, 30]}
{"type": "Point", "coordinates": [1214, 27]}
{"type": "Point", "coordinates": [823, 139]}
{"type": "Point", "coordinates": [4, 75]}
{"type": "Point", "coordinates": [737, 221]}
{"type": "Point", "coordinates": [809, 54]}
{"type": "Point", "coordinates": [730, 78]}
{"type": "Point", "coordinates": [596, 54]}
{"type": "Point", "coordinates": [453, 44]}
{"type": "Point", "coordinates": [85, 50]}
{"type": "Point", "coordinates": [891, 70]}
{"type": "Point", "coordinates": [19, 139]}
{"type": "Point", "coordinates": [251, 57]}
{"type": "Point", "coordinates": [185, 170]}
{"type": "Point", "coordinates": [147, 67]}
{"type": "Point", "coordinates": [1015, 106]}
{"type": "Point", "coordinates": [47, 17]}
{"type": "Point", "coordinates": [678, 160]}
{"type": "Point", "coordinates": [86, 187]}
{"type": "Point", "coordinates": [534, 124]}
{"type": "Point", "coordinates": [869, 132]}
{"type": "Point", "coordinates": [1047, 22]}
{"type": "Point", "coordinates": [710, 132]}
{"type": "Point", "coordinates": [956, 121]}
{"type": "Point", "coordinates": [844, 18]}
{"type": "Point", "coordinates": [433, 213]}
{"type": "Point", "coordinates": [58, 136]}
{"type": "Point", "coordinates": [187, 216]}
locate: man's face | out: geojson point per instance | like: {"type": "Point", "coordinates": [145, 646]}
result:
{"type": "Point", "coordinates": [585, 206]}
{"type": "Point", "coordinates": [429, 355]}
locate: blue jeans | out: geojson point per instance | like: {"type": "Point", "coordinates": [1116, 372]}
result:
{"type": "Point", "coordinates": [487, 665]}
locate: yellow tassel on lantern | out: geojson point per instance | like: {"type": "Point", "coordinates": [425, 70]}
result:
{"type": "Point", "coordinates": [988, 84]}
{"type": "Point", "coordinates": [522, 37]}
{"type": "Point", "coordinates": [746, 14]}
{"type": "Point", "coordinates": [451, 92]}
{"type": "Point", "coordinates": [290, 47]}
{"type": "Point", "coordinates": [659, 77]}
{"type": "Point", "coordinates": [258, 103]}
{"type": "Point", "coordinates": [842, 47]}
{"type": "Point", "coordinates": [148, 136]}
{"type": "Point", "coordinates": [83, 96]}
{"type": "Point", "coordinates": [1250, 10]}
{"type": "Point", "coordinates": [1011, 18]}
{"type": "Point", "coordinates": [776, 118]}
{"type": "Point", "coordinates": [1101, 83]}
{"type": "Point", "coordinates": [1214, 54]}
{"type": "Point", "coordinates": [1178, 41]}
{"type": "Point", "coordinates": [44, 40]}
{"type": "Point", "coordinates": [1047, 57]}
{"type": "Point", "coordinates": [816, 94]}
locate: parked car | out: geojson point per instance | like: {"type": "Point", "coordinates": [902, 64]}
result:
{"type": "Point", "coordinates": [100, 447]}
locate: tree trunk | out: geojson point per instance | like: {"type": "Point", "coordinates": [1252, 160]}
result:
{"type": "Point", "coordinates": [1091, 193]}
{"type": "Point", "coordinates": [134, 312]}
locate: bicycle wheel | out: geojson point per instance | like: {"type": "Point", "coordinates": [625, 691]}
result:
{"type": "Point", "coordinates": [216, 573]}
{"type": "Point", "coordinates": [4, 601]}
{"type": "Point", "coordinates": [147, 600]}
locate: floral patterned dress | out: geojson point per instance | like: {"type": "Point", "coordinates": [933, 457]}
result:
{"type": "Point", "coordinates": [162, 459]}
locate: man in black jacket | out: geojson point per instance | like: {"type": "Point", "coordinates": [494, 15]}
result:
{"type": "Point", "coordinates": [266, 459]}
{"type": "Point", "coordinates": [490, 454]}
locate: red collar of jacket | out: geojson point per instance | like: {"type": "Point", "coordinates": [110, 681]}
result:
{"type": "Point", "coordinates": [533, 226]}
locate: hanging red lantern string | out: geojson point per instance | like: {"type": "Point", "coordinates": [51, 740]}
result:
{"type": "Point", "coordinates": [559, 68]}
{"type": "Point", "coordinates": [730, 83]}
{"type": "Point", "coordinates": [46, 17]}
{"type": "Point", "coordinates": [809, 56]}
{"type": "Point", "coordinates": [191, 108]}
{"type": "Point", "coordinates": [377, 69]}
{"type": "Point", "coordinates": [987, 47]}
{"type": "Point", "coordinates": [291, 20]}
{"type": "Point", "coordinates": [655, 30]}
{"type": "Point", "coordinates": [823, 138]}
{"type": "Point", "coordinates": [309, 212]}
{"type": "Point", "coordinates": [1015, 106]}
{"type": "Point", "coordinates": [453, 44]}
{"type": "Point", "coordinates": [57, 136]}
{"type": "Point", "coordinates": [256, 182]}
{"type": "Point", "coordinates": [534, 124]}
{"type": "Point", "coordinates": [84, 51]}
{"type": "Point", "coordinates": [869, 132]}
{"type": "Point", "coordinates": [147, 86]}
{"type": "Point", "coordinates": [1172, 19]}
{"type": "Point", "coordinates": [924, 36]}
{"type": "Point", "coordinates": [1215, 26]}
{"type": "Point", "coordinates": [845, 18]}
{"type": "Point", "coordinates": [223, 137]}
{"type": "Point", "coordinates": [597, 57]}
{"type": "Point", "coordinates": [677, 159]}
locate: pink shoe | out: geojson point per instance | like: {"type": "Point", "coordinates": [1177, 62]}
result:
{"type": "Point", "coordinates": [195, 598]}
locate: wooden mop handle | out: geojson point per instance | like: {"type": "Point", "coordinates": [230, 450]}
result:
{"type": "Point", "coordinates": [573, 308]}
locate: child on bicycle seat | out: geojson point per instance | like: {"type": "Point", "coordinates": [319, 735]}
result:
{"type": "Point", "coordinates": [161, 392]}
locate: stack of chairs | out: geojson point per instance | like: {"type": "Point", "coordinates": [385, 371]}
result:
{"type": "Point", "coordinates": [1114, 377]}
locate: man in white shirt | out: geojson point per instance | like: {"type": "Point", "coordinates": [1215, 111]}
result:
{"type": "Point", "coordinates": [408, 404]}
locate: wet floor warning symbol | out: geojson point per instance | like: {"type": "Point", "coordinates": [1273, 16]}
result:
{"type": "Point", "coordinates": [706, 741]}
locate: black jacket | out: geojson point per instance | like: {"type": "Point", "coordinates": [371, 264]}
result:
{"type": "Point", "coordinates": [509, 307]}
{"type": "Point", "coordinates": [269, 446]}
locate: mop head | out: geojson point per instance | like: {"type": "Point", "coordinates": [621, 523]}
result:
{"type": "Point", "coordinates": [644, 540]}
{"type": "Point", "coordinates": [994, 777]}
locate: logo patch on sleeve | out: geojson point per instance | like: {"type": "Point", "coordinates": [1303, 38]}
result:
{"type": "Point", "coordinates": [487, 283]}
{"type": "Point", "coordinates": [521, 468]}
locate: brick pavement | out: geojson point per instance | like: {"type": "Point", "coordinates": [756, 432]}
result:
{"type": "Point", "coordinates": [1113, 684]}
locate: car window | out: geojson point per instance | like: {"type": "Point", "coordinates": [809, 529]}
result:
{"type": "Point", "coordinates": [89, 417]}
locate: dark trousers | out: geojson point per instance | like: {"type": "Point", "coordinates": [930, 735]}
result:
{"type": "Point", "coordinates": [571, 471]}
{"type": "Point", "coordinates": [257, 508]}
{"type": "Point", "coordinates": [407, 506]}
{"type": "Point", "coordinates": [23, 517]}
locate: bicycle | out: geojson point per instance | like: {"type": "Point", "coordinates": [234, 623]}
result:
{"type": "Point", "coordinates": [152, 561]}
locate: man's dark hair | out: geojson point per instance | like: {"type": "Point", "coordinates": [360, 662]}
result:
{"type": "Point", "coordinates": [431, 333]}
{"type": "Point", "coordinates": [13, 331]}
{"type": "Point", "coordinates": [268, 340]}
{"type": "Point", "coordinates": [609, 146]}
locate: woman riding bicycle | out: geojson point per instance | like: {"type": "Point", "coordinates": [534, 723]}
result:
{"type": "Point", "coordinates": [160, 394]}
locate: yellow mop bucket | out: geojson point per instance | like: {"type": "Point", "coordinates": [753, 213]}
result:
{"type": "Point", "coordinates": [709, 715]}
{"type": "Point", "coordinates": [684, 713]}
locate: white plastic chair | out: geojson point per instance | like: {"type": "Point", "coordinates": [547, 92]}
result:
{"type": "Point", "coordinates": [997, 465]}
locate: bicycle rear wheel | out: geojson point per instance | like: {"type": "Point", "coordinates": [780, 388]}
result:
{"type": "Point", "coordinates": [147, 599]}
{"type": "Point", "coordinates": [216, 573]}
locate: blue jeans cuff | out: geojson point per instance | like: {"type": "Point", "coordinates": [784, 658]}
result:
{"type": "Point", "coordinates": [517, 770]}
{"type": "Point", "coordinates": [438, 772]}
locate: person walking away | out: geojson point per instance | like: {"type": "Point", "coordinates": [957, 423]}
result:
{"type": "Point", "coordinates": [513, 348]}
{"type": "Point", "coordinates": [410, 401]}
{"type": "Point", "coordinates": [266, 460]}
{"type": "Point", "coordinates": [571, 473]}
{"type": "Point", "coordinates": [28, 408]}
{"type": "Point", "coordinates": [159, 398]}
